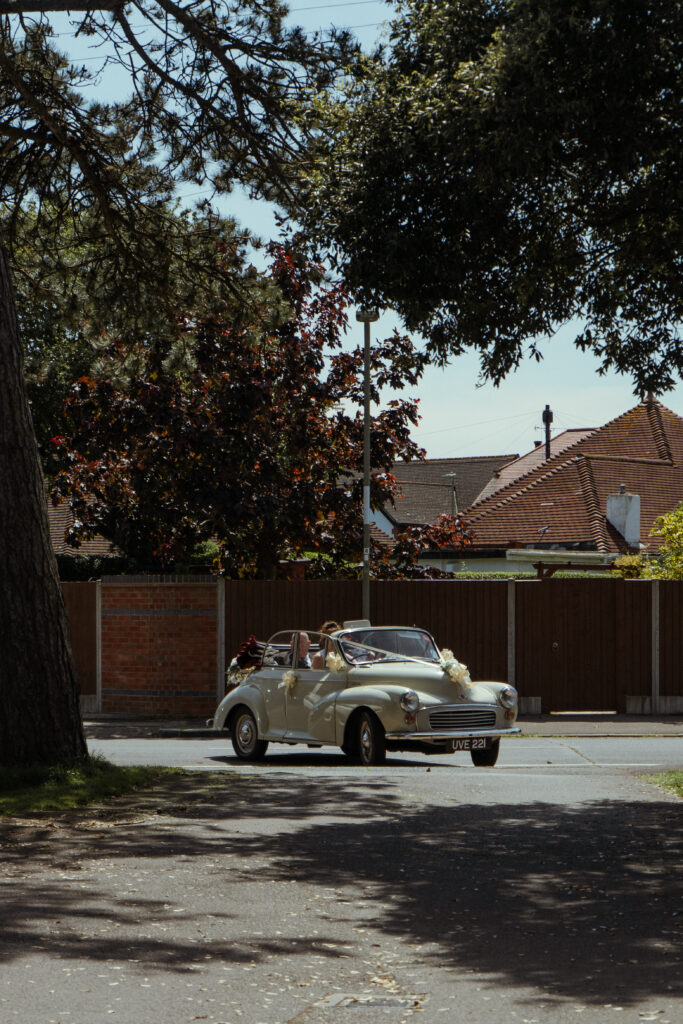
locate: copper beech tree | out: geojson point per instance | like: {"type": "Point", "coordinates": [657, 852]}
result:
{"type": "Point", "coordinates": [406, 557]}
{"type": "Point", "coordinates": [257, 442]}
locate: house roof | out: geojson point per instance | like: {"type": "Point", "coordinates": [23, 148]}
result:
{"type": "Point", "coordinates": [525, 463]}
{"type": "Point", "coordinates": [425, 488]}
{"type": "Point", "coordinates": [60, 520]}
{"type": "Point", "coordinates": [562, 501]}
{"type": "Point", "coordinates": [379, 537]}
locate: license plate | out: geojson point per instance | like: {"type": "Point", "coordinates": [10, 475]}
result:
{"type": "Point", "coordinates": [480, 743]}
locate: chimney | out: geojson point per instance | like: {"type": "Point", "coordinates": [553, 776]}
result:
{"type": "Point", "coordinates": [547, 418]}
{"type": "Point", "coordinates": [623, 512]}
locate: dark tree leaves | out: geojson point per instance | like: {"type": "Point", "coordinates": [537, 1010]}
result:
{"type": "Point", "coordinates": [255, 442]}
{"type": "Point", "coordinates": [511, 166]}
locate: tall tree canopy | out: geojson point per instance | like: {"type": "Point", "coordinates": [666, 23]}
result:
{"type": "Point", "coordinates": [510, 165]}
{"type": "Point", "coordinates": [214, 91]}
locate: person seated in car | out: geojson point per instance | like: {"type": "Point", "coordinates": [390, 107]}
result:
{"type": "Point", "coordinates": [318, 660]}
{"type": "Point", "coordinates": [303, 660]}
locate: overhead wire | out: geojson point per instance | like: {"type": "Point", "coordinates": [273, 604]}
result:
{"type": "Point", "coordinates": [527, 427]}
{"type": "Point", "coordinates": [480, 423]}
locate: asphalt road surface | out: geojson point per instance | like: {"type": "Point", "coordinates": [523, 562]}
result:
{"type": "Point", "coordinates": [305, 890]}
{"type": "Point", "coordinates": [641, 754]}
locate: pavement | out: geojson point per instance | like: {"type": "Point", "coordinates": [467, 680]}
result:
{"type": "Point", "coordinates": [309, 896]}
{"type": "Point", "coordinates": [570, 724]}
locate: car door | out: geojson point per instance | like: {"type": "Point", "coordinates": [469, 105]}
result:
{"type": "Point", "coordinates": [309, 706]}
{"type": "Point", "coordinates": [273, 693]}
{"type": "Point", "coordinates": [277, 661]}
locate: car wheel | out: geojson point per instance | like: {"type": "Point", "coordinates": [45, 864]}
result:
{"type": "Point", "coordinates": [365, 742]}
{"type": "Point", "coordinates": [486, 758]}
{"type": "Point", "coordinates": [245, 741]}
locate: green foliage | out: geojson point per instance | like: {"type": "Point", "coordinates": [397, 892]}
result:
{"type": "Point", "coordinates": [77, 320]}
{"type": "Point", "coordinates": [668, 563]}
{"type": "Point", "coordinates": [38, 789]}
{"type": "Point", "coordinates": [668, 780]}
{"type": "Point", "coordinates": [208, 550]}
{"type": "Point", "coordinates": [248, 444]}
{"type": "Point", "coordinates": [215, 96]}
{"type": "Point", "coordinates": [509, 165]}
{"type": "Point", "coordinates": [81, 568]}
{"type": "Point", "coordinates": [98, 245]}
{"type": "Point", "coordinates": [206, 557]}
{"type": "Point", "coordinates": [630, 567]}
{"type": "Point", "coordinates": [467, 575]}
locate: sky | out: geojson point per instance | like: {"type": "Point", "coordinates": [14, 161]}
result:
{"type": "Point", "coordinates": [459, 417]}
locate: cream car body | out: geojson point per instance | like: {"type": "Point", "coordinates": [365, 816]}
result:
{"type": "Point", "coordinates": [366, 696]}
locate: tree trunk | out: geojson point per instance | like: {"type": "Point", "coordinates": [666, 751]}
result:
{"type": "Point", "coordinates": [40, 719]}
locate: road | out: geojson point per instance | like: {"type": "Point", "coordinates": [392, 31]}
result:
{"type": "Point", "coordinates": [308, 891]}
{"type": "Point", "coordinates": [642, 754]}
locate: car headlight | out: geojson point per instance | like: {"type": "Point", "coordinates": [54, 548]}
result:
{"type": "Point", "coordinates": [409, 701]}
{"type": "Point", "coordinates": [508, 697]}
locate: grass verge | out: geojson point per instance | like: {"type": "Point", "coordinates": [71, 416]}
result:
{"type": "Point", "coordinates": [26, 792]}
{"type": "Point", "coordinates": [668, 780]}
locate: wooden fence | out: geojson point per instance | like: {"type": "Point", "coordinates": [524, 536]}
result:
{"type": "Point", "coordinates": [82, 610]}
{"type": "Point", "coordinates": [567, 645]}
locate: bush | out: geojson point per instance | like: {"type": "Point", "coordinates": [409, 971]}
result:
{"type": "Point", "coordinates": [81, 568]}
{"type": "Point", "coordinates": [630, 567]}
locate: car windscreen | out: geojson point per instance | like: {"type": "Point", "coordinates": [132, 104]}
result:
{"type": "Point", "coordinates": [364, 646]}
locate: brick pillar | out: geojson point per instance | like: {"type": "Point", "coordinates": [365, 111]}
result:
{"type": "Point", "coordinates": [160, 646]}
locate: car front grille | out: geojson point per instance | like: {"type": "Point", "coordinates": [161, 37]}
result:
{"type": "Point", "coordinates": [455, 717]}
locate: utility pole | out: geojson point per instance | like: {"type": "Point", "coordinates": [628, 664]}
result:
{"type": "Point", "coordinates": [454, 499]}
{"type": "Point", "coordinates": [366, 317]}
{"type": "Point", "coordinates": [547, 419]}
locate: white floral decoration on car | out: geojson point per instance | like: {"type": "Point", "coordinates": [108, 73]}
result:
{"type": "Point", "coordinates": [455, 669]}
{"type": "Point", "coordinates": [335, 662]}
{"type": "Point", "coordinates": [289, 681]}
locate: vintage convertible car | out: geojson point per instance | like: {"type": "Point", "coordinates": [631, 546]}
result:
{"type": "Point", "coordinates": [366, 689]}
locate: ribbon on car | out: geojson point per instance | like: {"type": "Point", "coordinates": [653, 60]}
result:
{"type": "Point", "coordinates": [289, 681]}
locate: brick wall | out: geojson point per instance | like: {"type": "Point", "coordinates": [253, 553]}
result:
{"type": "Point", "coordinates": [160, 647]}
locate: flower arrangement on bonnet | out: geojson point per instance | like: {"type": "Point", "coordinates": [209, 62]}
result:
{"type": "Point", "coordinates": [455, 669]}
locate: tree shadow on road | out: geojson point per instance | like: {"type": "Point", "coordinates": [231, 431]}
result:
{"type": "Point", "coordinates": [578, 902]}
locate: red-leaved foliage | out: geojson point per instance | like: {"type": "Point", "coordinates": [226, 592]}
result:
{"type": "Point", "coordinates": [255, 442]}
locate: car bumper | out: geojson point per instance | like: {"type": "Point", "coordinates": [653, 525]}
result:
{"type": "Point", "coordinates": [451, 734]}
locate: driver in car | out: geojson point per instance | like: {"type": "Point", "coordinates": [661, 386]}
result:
{"type": "Point", "coordinates": [303, 660]}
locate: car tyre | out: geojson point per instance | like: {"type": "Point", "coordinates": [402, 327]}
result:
{"type": "Point", "coordinates": [244, 734]}
{"type": "Point", "coordinates": [486, 758]}
{"type": "Point", "coordinates": [365, 741]}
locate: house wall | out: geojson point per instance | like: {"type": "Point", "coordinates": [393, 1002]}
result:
{"type": "Point", "coordinates": [161, 646]}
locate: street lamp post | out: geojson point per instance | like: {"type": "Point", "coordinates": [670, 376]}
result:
{"type": "Point", "coordinates": [454, 500]}
{"type": "Point", "coordinates": [366, 317]}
